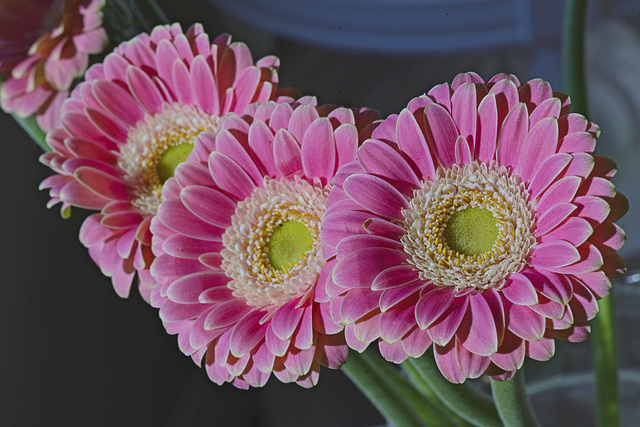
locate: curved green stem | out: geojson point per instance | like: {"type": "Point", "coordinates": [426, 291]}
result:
{"type": "Point", "coordinates": [603, 325]}
{"type": "Point", "coordinates": [465, 400]}
{"type": "Point", "coordinates": [419, 383]}
{"type": "Point", "coordinates": [575, 16]}
{"type": "Point", "coordinates": [396, 399]}
{"type": "Point", "coordinates": [513, 403]}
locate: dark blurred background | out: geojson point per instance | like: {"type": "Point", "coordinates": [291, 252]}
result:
{"type": "Point", "coordinates": [72, 352]}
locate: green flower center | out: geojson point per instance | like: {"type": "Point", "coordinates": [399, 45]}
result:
{"type": "Point", "coordinates": [288, 244]}
{"type": "Point", "coordinates": [471, 231]}
{"type": "Point", "coordinates": [171, 158]}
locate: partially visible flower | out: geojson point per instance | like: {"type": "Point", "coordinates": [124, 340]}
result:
{"type": "Point", "coordinates": [236, 239]}
{"type": "Point", "coordinates": [477, 220]}
{"type": "Point", "coordinates": [44, 45]}
{"type": "Point", "coordinates": [132, 121]}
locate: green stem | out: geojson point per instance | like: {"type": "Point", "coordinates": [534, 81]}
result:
{"type": "Point", "coordinates": [513, 403]}
{"type": "Point", "coordinates": [575, 16]}
{"type": "Point", "coordinates": [608, 409]}
{"type": "Point", "coordinates": [603, 325]}
{"type": "Point", "coordinates": [30, 126]}
{"type": "Point", "coordinates": [465, 400]}
{"type": "Point", "coordinates": [423, 387]}
{"type": "Point", "coordinates": [394, 396]}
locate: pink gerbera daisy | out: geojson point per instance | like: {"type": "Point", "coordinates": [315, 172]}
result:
{"type": "Point", "coordinates": [236, 239]}
{"type": "Point", "coordinates": [132, 121]}
{"type": "Point", "coordinates": [44, 45]}
{"type": "Point", "coordinates": [478, 220]}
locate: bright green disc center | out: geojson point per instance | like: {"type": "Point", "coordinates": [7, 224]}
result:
{"type": "Point", "coordinates": [171, 158]}
{"type": "Point", "coordinates": [288, 243]}
{"type": "Point", "coordinates": [471, 231]}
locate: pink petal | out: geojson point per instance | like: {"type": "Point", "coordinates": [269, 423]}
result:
{"type": "Point", "coordinates": [477, 332]}
{"type": "Point", "coordinates": [102, 183]}
{"type": "Point", "coordinates": [442, 133]}
{"type": "Point", "coordinates": [539, 145]}
{"type": "Point", "coordinates": [229, 176]}
{"type": "Point", "coordinates": [510, 355]}
{"type": "Point", "coordinates": [376, 195]}
{"type": "Point", "coordinates": [432, 305]}
{"type": "Point", "coordinates": [393, 277]}
{"type": "Point", "coordinates": [299, 361]}
{"type": "Point", "coordinates": [287, 153]}
{"type": "Point", "coordinates": [319, 150]}
{"type": "Point", "coordinates": [519, 290]}
{"type": "Point", "coordinates": [332, 350]}
{"type": "Point", "coordinates": [117, 101]}
{"type": "Point", "coordinates": [416, 342]}
{"type": "Point", "coordinates": [464, 109]}
{"type": "Point", "coordinates": [442, 330]}
{"type": "Point", "coordinates": [261, 142]}
{"type": "Point", "coordinates": [412, 142]}
{"type": "Point", "coordinates": [487, 129]}
{"type": "Point", "coordinates": [361, 241]}
{"type": "Point", "coordinates": [358, 303]}
{"type": "Point", "coordinates": [463, 152]}
{"type": "Point", "coordinates": [247, 334]}
{"type": "Point", "coordinates": [397, 321]}
{"type": "Point", "coordinates": [209, 205]}
{"type": "Point", "coordinates": [301, 119]}
{"type": "Point", "coordinates": [359, 268]}
{"type": "Point", "coordinates": [187, 289]}
{"type": "Point", "coordinates": [471, 365]}
{"type": "Point", "coordinates": [378, 158]}
{"type": "Point", "coordinates": [525, 323]}
{"type": "Point", "coordinates": [553, 217]}
{"type": "Point", "coordinates": [393, 352]}
{"type": "Point", "coordinates": [575, 230]}
{"type": "Point", "coordinates": [286, 319]}
{"type": "Point", "coordinates": [541, 350]}
{"type": "Point", "coordinates": [448, 362]}
{"type": "Point", "coordinates": [144, 90]}
{"type": "Point", "coordinates": [561, 191]}
{"type": "Point", "coordinates": [547, 172]}
{"type": "Point", "coordinates": [553, 254]}
{"type": "Point", "coordinates": [512, 136]}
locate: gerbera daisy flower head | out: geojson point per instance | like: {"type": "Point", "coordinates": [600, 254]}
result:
{"type": "Point", "coordinates": [132, 121]}
{"type": "Point", "coordinates": [237, 243]}
{"type": "Point", "coordinates": [44, 45]}
{"type": "Point", "coordinates": [478, 219]}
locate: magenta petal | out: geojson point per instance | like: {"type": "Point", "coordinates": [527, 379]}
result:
{"type": "Point", "coordinates": [117, 101]}
{"type": "Point", "coordinates": [432, 305]}
{"type": "Point", "coordinates": [471, 365]}
{"type": "Point", "coordinates": [393, 277]}
{"type": "Point", "coordinates": [187, 289]}
{"type": "Point", "coordinates": [384, 228]}
{"type": "Point", "coordinates": [276, 345]}
{"type": "Point", "coordinates": [301, 119]}
{"type": "Point", "coordinates": [299, 361]}
{"type": "Point", "coordinates": [359, 268]}
{"type": "Point", "coordinates": [539, 145]}
{"type": "Point", "coordinates": [412, 141]}
{"type": "Point", "coordinates": [332, 351]}
{"type": "Point", "coordinates": [174, 215]}
{"type": "Point", "coordinates": [360, 241]}
{"type": "Point", "coordinates": [144, 90]}
{"type": "Point", "coordinates": [346, 136]}
{"type": "Point", "coordinates": [304, 335]}
{"type": "Point", "coordinates": [597, 282]}
{"type": "Point", "coordinates": [247, 333]}
{"type": "Point", "coordinates": [512, 136]}
{"type": "Point", "coordinates": [487, 129]}
{"type": "Point", "coordinates": [352, 341]}
{"type": "Point", "coordinates": [393, 352]}
{"type": "Point", "coordinates": [319, 150]}
{"type": "Point", "coordinates": [442, 330]}
{"type": "Point", "coordinates": [448, 362]}
{"type": "Point", "coordinates": [442, 133]}
{"type": "Point", "coordinates": [209, 205]}
{"type": "Point", "coordinates": [357, 303]}
{"type": "Point", "coordinates": [541, 350]}
{"type": "Point", "coordinates": [592, 208]}
{"type": "Point", "coordinates": [477, 332]}
{"type": "Point", "coordinates": [591, 260]}
{"type": "Point", "coordinates": [510, 355]}
{"type": "Point", "coordinates": [397, 321]}
{"type": "Point", "coordinates": [549, 308]}
{"type": "Point", "coordinates": [553, 254]}
{"type": "Point", "coordinates": [519, 290]}
{"type": "Point", "coordinates": [102, 183]}
{"type": "Point", "coordinates": [367, 329]}
{"type": "Point", "coordinates": [378, 158]}
{"type": "Point", "coordinates": [416, 342]}
{"type": "Point", "coordinates": [525, 323]}
{"type": "Point", "coordinates": [228, 144]}
{"type": "Point", "coordinates": [229, 176]}
{"type": "Point", "coordinates": [286, 319]}
{"type": "Point", "coordinates": [261, 142]}
{"type": "Point", "coordinates": [376, 195]}
{"type": "Point", "coordinates": [553, 217]}
{"type": "Point", "coordinates": [464, 109]}
{"type": "Point", "coordinates": [575, 230]}
{"type": "Point", "coordinates": [226, 314]}
{"type": "Point", "coordinates": [286, 153]}
{"type": "Point", "coordinates": [547, 172]}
